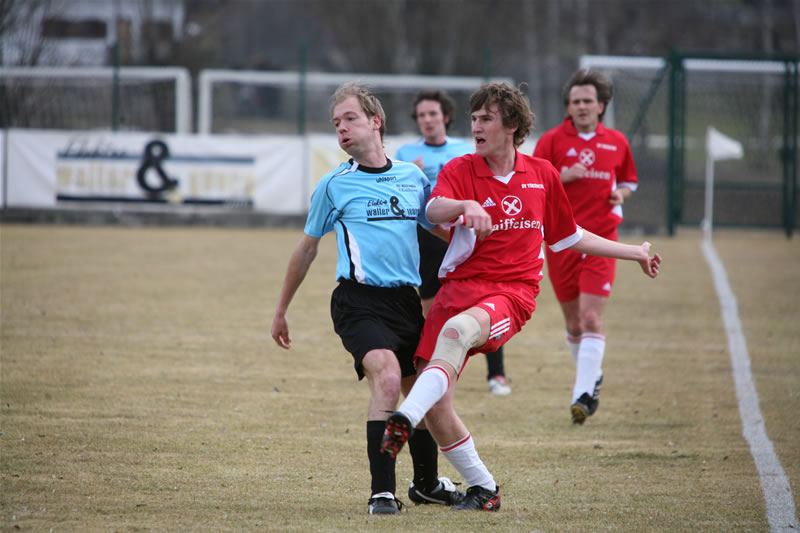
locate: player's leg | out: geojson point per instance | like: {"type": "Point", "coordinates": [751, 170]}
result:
{"type": "Point", "coordinates": [563, 270]}
{"type": "Point", "coordinates": [383, 373]}
{"type": "Point", "coordinates": [456, 337]}
{"type": "Point", "coordinates": [365, 318]}
{"type": "Point", "coordinates": [427, 487]}
{"type": "Point", "coordinates": [589, 371]}
{"type": "Point", "coordinates": [496, 374]}
{"type": "Point", "coordinates": [483, 492]}
{"type": "Point", "coordinates": [595, 280]}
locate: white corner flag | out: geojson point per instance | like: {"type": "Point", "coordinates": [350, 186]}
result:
{"type": "Point", "coordinates": [718, 147]}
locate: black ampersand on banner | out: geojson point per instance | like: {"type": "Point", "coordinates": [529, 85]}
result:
{"type": "Point", "coordinates": [396, 209]}
{"type": "Point", "coordinates": [154, 153]}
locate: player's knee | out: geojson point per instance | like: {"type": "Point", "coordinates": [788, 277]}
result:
{"type": "Point", "coordinates": [458, 335]}
{"type": "Point", "coordinates": [592, 322]}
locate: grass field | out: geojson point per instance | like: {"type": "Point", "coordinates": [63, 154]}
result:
{"type": "Point", "coordinates": [141, 391]}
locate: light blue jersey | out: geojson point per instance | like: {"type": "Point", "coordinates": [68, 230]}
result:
{"type": "Point", "coordinates": [375, 213]}
{"type": "Point", "coordinates": [434, 157]}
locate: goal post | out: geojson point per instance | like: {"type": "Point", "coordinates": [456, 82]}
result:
{"type": "Point", "coordinates": [665, 106]}
{"type": "Point", "coordinates": [152, 98]}
{"type": "Point", "coordinates": [283, 101]}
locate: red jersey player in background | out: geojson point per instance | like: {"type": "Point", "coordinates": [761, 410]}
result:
{"type": "Point", "coordinates": [597, 170]}
{"type": "Point", "coordinates": [502, 205]}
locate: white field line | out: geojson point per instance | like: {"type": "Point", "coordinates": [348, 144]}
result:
{"type": "Point", "coordinates": [781, 513]}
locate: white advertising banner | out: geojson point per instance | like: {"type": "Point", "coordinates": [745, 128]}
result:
{"type": "Point", "coordinates": [46, 167]}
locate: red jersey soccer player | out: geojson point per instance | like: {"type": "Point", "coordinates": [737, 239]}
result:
{"type": "Point", "coordinates": [505, 205]}
{"type": "Point", "coordinates": [597, 170]}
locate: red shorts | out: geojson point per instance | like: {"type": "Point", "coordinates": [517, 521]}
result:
{"type": "Point", "coordinates": [509, 304]}
{"type": "Point", "coordinates": [572, 273]}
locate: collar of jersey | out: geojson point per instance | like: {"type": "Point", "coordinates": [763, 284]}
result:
{"type": "Point", "coordinates": [370, 170]}
{"type": "Point", "coordinates": [482, 170]}
{"type": "Point", "coordinates": [570, 127]}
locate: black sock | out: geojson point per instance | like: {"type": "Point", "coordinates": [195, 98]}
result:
{"type": "Point", "coordinates": [425, 456]}
{"type": "Point", "coordinates": [494, 363]}
{"type": "Point", "coordinates": [381, 465]}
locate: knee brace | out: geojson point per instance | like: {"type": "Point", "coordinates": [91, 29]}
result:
{"type": "Point", "coordinates": [454, 351]}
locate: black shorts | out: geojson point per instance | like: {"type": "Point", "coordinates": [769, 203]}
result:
{"type": "Point", "coordinates": [431, 253]}
{"type": "Point", "coordinates": [369, 318]}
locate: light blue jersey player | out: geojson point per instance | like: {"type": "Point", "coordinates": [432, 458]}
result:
{"type": "Point", "coordinates": [374, 212]}
{"type": "Point", "coordinates": [433, 156]}
{"type": "Point", "coordinates": [374, 206]}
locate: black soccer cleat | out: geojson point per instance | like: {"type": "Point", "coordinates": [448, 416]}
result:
{"type": "Point", "coordinates": [479, 499]}
{"type": "Point", "coordinates": [398, 431]}
{"type": "Point", "coordinates": [583, 408]}
{"type": "Point", "coordinates": [586, 405]}
{"type": "Point", "coordinates": [445, 493]}
{"type": "Point", "coordinates": [384, 503]}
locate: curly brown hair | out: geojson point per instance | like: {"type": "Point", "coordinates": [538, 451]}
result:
{"type": "Point", "coordinates": [512, 104]}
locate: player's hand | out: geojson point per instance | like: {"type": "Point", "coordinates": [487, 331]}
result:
{"type": "Point", "coordinates": [419, 163]}
{"type": "Point", "coordinates": [616, 197]}
{"type": "Point", "coordinates": [572, 173]}
{"type": "Point", "coordinates": [280, 331]}
{"type": "Point", "coordinates": [650, 265]}
{"type": "Point", "coordinates": [477, 218]}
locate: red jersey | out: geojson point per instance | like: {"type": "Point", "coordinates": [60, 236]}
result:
{"type": "Point", "coordinates": [609, 163]}
{"type": "Point", "coordinates": [527, 207]}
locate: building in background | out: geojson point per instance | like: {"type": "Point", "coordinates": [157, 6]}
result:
{"type": "Point", "coordinates": [84, 32]}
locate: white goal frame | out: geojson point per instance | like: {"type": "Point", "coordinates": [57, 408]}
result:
{"type": "Point", "coordinates": [284, 79]}
{"type": "Point", "coordinates": [179, 75]}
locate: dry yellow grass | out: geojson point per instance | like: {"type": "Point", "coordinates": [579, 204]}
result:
{"type": "Point", "coordinates": [141, 390]}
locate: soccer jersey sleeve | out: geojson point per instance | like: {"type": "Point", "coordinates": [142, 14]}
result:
{"type": "Point", "coordinates": [444, 189]}
{"type": "Point", "coordinates": [322, 213]}
{"type": "Point", "coordinates": [626, 173]}
{"type": "Point", "coordinates": [425, 194]}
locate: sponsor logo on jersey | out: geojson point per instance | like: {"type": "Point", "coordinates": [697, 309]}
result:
{"type": "Point", "coordinates": [607, 147]}
{"type": "Point", "coordinates": [572, 152]}
{"type": "Point", "coordinates": [380, 209]}
{"type": "Point", "coordinates": [488, 203]}
{"type": "Point", "coordinates": [597, 174]}
{"type": "Point", "coordinates": [512, 223]}
{"type": "Point", "coordinates": [586, 157]}
{"type": "Point", "coordinates": [533, 186]}
{"type": "Point", "coordinates": [383, 179]}
{"type": "Point", "coordinates": [511, 205]}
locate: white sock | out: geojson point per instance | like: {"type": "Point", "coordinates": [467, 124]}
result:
{"type": "Point", "coordinates": [590, 363]}
{"type": "Point", "coordinates": [573, 343]}
{"type": "Point", "coordinates": [427, 390]}
{"type": "Point", "coordinates": [464, 458]}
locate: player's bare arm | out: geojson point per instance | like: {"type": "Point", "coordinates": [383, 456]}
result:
{"type": "Point", "coordinates": [619, 195]}
{"type": "Point", "coordinates": [304, 254]}
{"type": "Point", "coordinates": [595, 245]}
{"type": "Point", "coordinates": [572, 173]}
{"type": "Point", "coordinates": [440, 232]}
{"type": "Point", "coordinates": [472, 215]}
